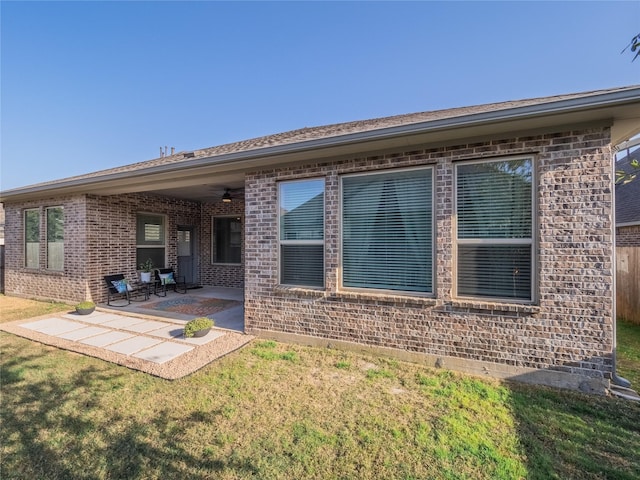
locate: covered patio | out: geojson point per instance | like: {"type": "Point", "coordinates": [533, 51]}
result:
{"type": "Point", "coordinates": [224, 305]}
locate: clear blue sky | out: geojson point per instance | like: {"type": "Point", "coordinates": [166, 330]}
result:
{"type": "Point", "coordinates": [94, 85]}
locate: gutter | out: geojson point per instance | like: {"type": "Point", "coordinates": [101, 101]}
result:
{"type": "Point", "coordinates": [573, 105]}
{"type": "Point", "coordinates": [615, 378]}
{"type": "Point", "coordinates": [634, 142]}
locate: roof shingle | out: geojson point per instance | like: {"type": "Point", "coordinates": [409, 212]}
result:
{"type": "Point", "coordinates": [330, 131]}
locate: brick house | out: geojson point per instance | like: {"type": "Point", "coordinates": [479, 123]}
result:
{"type": "Point", "coordinates": [478, 238]}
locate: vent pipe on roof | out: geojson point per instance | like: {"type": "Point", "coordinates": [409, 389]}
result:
{"type": "Point", "coordinates": [164, 153]}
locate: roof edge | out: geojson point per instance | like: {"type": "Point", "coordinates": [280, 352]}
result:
{"type": "Point", "coordinates": [588, 101]}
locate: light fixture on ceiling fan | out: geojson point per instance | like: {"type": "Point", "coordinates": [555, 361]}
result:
{"type": "Point", "coordinates": [226, 198]}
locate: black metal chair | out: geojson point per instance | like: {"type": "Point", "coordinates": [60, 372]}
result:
{"type": "Point", "coordinates": [115, 289]}
{"type": "Point", "coordinates": [167, 278]}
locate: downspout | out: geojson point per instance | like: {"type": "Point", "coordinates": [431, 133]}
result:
{"type": "Point", "coordinates": [615, 379]}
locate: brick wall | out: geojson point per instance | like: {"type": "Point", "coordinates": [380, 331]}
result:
{"type": "Point", "coordinates": [628, 236]}
{"type": "Point", "coordinates": [100, 239]}
{"type": "Point", "coordinates": [216, 274]}
{"type": "Point", "coordinates": [570, 327]}
{"type": "Point", "coordinates": [111, 233]}
{"type": "Point", "coordinates": [68, 285]}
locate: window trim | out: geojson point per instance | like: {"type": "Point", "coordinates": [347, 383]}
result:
{"type": "Point", "coordinates": [434, 237]}
{"type": "Point", "coordinates": [322, 242]}
{"type": "Point", "coordinates": [532, 241]}
{"type": "Point", "coordinates": [214, 256]}
{"type": "Point", "coordinates": [46, 234]}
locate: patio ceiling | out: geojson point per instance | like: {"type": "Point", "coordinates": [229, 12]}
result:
{"type": "Point", "coordinates": [204, 192]}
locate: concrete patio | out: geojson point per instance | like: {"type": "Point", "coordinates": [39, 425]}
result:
{"type": "Point", "coordinates": [230, 318]}
{"type": "Point", "coordinates": [145, 335]}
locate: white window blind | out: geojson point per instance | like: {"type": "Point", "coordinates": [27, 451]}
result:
{"type": "Point", "coordinates": [387, 231]}
{"type": "Point", "coordinates": [150, 239]}
{"type": "Point", "coordinates": [495, 229]}
{"type": "Point", "coordinates": [301, 217]}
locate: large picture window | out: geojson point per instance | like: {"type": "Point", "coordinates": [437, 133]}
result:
{"type": "Point", "coordinates": [301, 220]}
{"type": "Point", "coordinates": [227, 232]}
{"type": "Point", "coordinates": [32, 238]}
{"type": "Point", "coordinates": [55, 238]}
{"type": "Point", "coordinates": [387, 231]}
{"type": "Point", "coordinates": [495, 244]}
{"type": "Point", "coordinates": [150, 239]}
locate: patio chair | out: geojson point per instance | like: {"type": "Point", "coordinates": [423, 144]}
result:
{"type": "Point", "coordinates": [118, 288]}
{"type": "Point", "coordinates": [167, 278]}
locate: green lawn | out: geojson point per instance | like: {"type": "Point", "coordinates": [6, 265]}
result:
{"type": "Point", "coordinates": [628, 352]}
{"type": "Point", "coordinates": [278, 411]}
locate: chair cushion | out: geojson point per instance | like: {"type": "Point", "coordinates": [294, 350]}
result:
{"type": "Point", "coordinates": [167, 278]}
{"type": "Point", "coordinates": [121, 285]}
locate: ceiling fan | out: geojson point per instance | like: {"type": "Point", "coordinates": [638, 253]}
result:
{"type": "Point", "coordinates": [231, 194]}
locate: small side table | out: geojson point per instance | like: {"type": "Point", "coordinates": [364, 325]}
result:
{"type": "Point", "coordinates": [143, 288]}
{"type": "Point", "coordinates": [146, 289]}
{"type": "Point", "coordinates": [160, 289]}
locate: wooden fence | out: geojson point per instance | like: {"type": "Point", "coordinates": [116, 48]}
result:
{"type": "Point", "coordinates": [628, 283]}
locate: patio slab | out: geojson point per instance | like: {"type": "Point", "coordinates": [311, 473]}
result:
{"type": "Point", "coordinates": [209, 337]}
{"type": "Point", "coordinates": [169, 332]}
{"type": "Point", "coordinates": [176, 332]}
{"type": "Point", "coordinates": [53, 326]}
{"type": "Point", "coordinates": [133, 345]}
{"type": "Point", "coordinates": [85, 332]}
{"type": "Point", "coordinates": [163, 352]}
{"type": "Point", "coordinates": [123, 323]}
{"type": "Point", "coordinates": [96, 317]}
{"type": "Point", "coordinates": [144, 327]}
{"type": "Point", "coordinates": [106, 339]}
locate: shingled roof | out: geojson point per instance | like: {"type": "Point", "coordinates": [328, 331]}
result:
{"type": "Point", "coordinates": [333, 131]}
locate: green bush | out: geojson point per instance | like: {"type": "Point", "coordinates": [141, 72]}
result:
{"type": "Point", "coordinates": [86, 305]}
{"type": "Point", "coordinates": [200, 323]}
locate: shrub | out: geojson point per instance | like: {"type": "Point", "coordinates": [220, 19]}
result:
{"type": "Point", "coordinates": [200, 323]}
{"type": "Point", "coordinates": [86, 305]}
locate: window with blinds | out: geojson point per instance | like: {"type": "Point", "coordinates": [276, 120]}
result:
{"type": "Point", "coordinates": [55, 238]}
{"type": "Point", "coordinates": [301, 232]}
{"type": "Point", "coordinates": [150, 239]}
{"type": "Point", "coordinates": [494, 211]}
{"type": "Point", "coordinates": [387, 231]}
{"type": "Point", "coordinates": [32, 238]}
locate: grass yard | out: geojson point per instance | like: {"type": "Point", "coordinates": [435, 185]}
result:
{"type": "Point", "coordinates": [628, 352]}
{"type": "Point", "coordinates": [278, 411]}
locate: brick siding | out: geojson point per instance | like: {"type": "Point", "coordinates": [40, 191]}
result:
{"type": "Point", "coordinates": [569, 329]}
{"type": "Point", "coordinates": [216, 274]}
{"type": "Point", "coordinates": [628, 236]}
{"type": "Point", "coordinates": [100, 239]}
{"type": "Point", "coordinates": [67, 285]}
